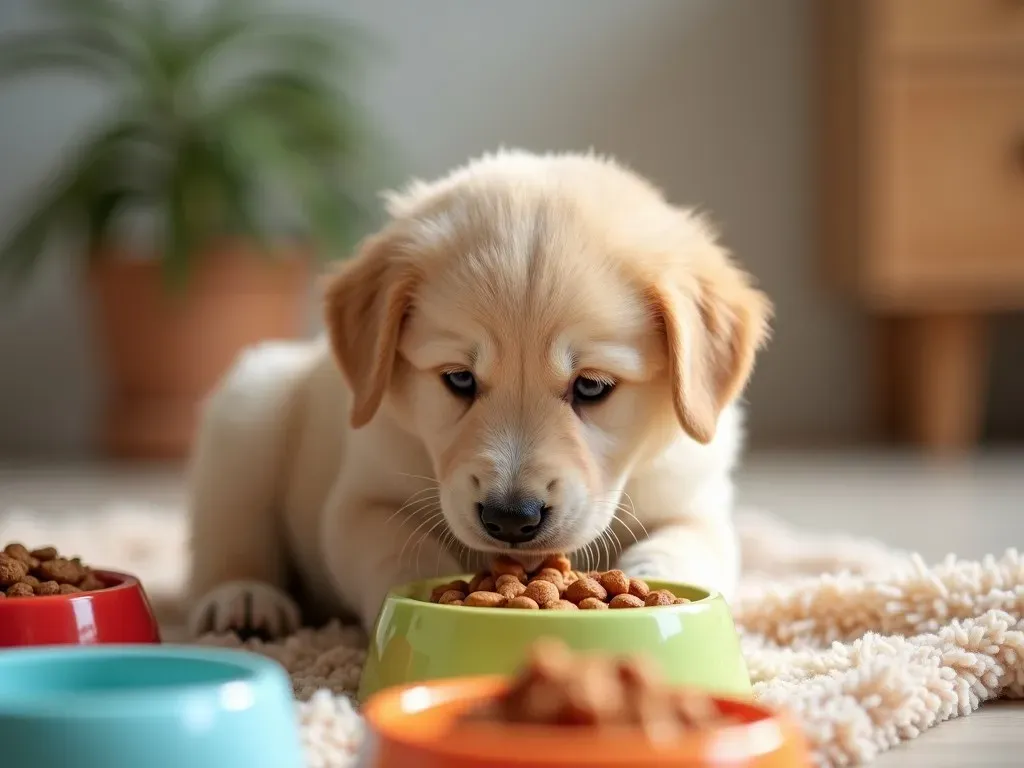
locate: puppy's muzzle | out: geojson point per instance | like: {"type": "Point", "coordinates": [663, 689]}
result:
{"type": "Point", "coordinates": [513, 520]}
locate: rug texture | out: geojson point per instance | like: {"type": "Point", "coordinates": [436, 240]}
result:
{"type": "Point", "coordinates": [866, 647]}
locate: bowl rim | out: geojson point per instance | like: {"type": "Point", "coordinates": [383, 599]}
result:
{"type": "Point", "coordinates": [253, 671]}
{"type": "Point", "coordinates": [400, 594]}
{"type": "Point", "coordinates": [123, 582]}
{"type": "Point", "coordinates": [388, 719]}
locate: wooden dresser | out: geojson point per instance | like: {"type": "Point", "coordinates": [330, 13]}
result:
{"type": "Point", "coordinates": [922, 193]}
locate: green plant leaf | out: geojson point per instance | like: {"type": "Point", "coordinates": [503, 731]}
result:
{"type": "Point", "coordinates": [19, 255]}
{"type": "Point", "coordinates": [96, 37]}
{"type": "Point", "coordinates": [78, 51]}
{"type": "Point", "coordinates": [258, 140]}
{"type": "Point", "coordinates": [180, 231]}
{"type": "Point", "coordinates": [102, 11]}
{"type": "Point", "coordinates": [102, 207]}
{"type": "Point", "coordinates": [308, 113]}
{"type": "Point", "coordinates": [207, 158]}
{"type": "Point", "coordinates": [241, 193]}
{"type": "Point", "coordinates": [318, 42]}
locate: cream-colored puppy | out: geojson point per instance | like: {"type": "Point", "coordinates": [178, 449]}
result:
{"type": "Point", "coordinates": [537, 354]}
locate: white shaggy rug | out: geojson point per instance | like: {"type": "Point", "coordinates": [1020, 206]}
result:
{"type": "Point", "coordinates": [877, 650]}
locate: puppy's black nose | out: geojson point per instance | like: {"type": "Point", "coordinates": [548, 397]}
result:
{"type": "Point", "coordinates": [513, 521]}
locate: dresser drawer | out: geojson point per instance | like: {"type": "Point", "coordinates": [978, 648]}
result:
{"type": "Point", "coordinates": [989, 27]}
{"type": "Point", "coordinates": [951, 186]}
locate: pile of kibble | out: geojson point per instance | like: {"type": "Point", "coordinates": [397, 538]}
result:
{"type": "Point", "coordinates": [43, 573]}
{"type": "Point", "coordinates": [557, 687]}
{"type": "Point", "coordinates": [552, 586]}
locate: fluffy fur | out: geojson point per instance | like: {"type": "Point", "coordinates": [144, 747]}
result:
{"type": "Point", "coordinates": [348, 463]}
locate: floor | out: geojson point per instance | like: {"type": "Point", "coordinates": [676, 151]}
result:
{"type": "Point", "coordinates": [970, 508]}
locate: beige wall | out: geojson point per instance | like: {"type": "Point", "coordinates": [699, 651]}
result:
{"type": "Point", "coordinates": [708, 97]}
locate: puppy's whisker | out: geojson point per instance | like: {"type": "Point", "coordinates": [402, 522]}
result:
{"type": "Point", "coordinates": [588, 557]}
{"type": "Point", "coordinates": [412, 535]}
{"type": "Point", "coordinates": [602, 542]}
{"type": "Point", "coordinates": [580, 556]}
{"type": "Point", "coordinates": [414, 499]}
{"type": "Point", "coordinates": [625, 523]}
{"type": "Point", "coordinates": [432, 480]}
{"type": "Point", "coordinates": [447, 540]}
{"type": "Point", "coordinates": [419, 544]}
{"type": "Point", "coordinates": [422, 493]}
{"type": "Point", "coordinates": [574, 558]}
{"type": "Point", "coordinates": [639, 522]}
{"type": "Point", "coordinates": [417, 529]}
{"type": "Point", "coordinates": [425, 507]}
{"type": "Point", "coordinates": [620, 521]}
{"type": "Point", "coordinates": [440, 549]}
{"type": "Point", "coordinates": [609, 549]}
{"type": "Point", "coordinates": [608, 546]}
{"type": "Point", "coordinates": [629, 499]}
{"type": "Point", "coordinates": [618, 542]}
{"type": "Point", "coordinates": [416, 548]}
{"type": "Point", "coordinates": [453, 545]}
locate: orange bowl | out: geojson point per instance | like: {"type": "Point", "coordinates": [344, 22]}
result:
{"type": "Point", "coordinates": [422, 726]}
{"type": "Point", "coordinates": [121, 613]}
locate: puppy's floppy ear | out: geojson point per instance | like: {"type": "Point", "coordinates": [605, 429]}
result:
{"type": "Point", "coordinates": [366, 301]}
{"type": "Point", "coordinates": [714, 323]}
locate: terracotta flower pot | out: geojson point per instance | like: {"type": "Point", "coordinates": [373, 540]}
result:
{"type": "Point", "coordinates": [163, 352]}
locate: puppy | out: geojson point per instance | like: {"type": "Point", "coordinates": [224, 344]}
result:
{"type": "Point", "coordinates": [536, 354]}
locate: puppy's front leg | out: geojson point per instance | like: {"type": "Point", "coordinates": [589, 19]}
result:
{"type": "Point", "coordinates": [700, 552]}
{"type": "Point", "coordinates": [368, 549]}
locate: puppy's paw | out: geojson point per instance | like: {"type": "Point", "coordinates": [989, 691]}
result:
{"type": "Point", "coordinates": [247, 608]}
{"type": "Point", "coordinates": [644, 568]}
{"type": "Point", "coordinates": [701, 572]}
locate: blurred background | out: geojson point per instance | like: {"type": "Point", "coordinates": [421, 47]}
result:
{"type": "Point", "coordinates": [864, 160]}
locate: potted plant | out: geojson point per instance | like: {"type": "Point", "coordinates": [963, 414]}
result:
{"type": "Point", "coordinates": [228, 140]}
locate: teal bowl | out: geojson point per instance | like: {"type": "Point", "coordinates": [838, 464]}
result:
{"type": "Point", "coordinates": [415, 640]}
{"type": "Point", "coordinates": [145, 707]}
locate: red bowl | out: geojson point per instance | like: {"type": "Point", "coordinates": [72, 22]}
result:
{"type": "Point", "coordinates": [121, 613]}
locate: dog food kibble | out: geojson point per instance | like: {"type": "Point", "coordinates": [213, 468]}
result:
{"type": "Point", "coordinates": [11, 571]}
{"type": "Point", "coordinates": [625, 601]}
{"type": "Point", "coordinates": [559, 689]}
{"type": "Point", "coordinates": [43, 573]}
{"type": "Point", "coordinates": [561, 605]}
{"type": "Point", "coordinates": [543, 592]}
{"type": "Point", "coordinates": [583, 588]}
{"type": "Point", "coordinates": [485, 600]}
{"type": "Point", "coordinates": [615, 582]}
{"type": "Point", "coordinates": [20, 589]}
{"type": "Point", "coordinates": [91, 582]}
{"type": "Point", "coordinates": [552, 575]}
{"type": "Point", "coordinates": [504, 565]}
{"type": "Point", "coordinates": [48, 588]}
{"type": "Point", "coordinates": [20, 552]}
{"type": "Point", "coordinates": [457, 586]}
{"type": "Point", "coordinates": [559, 563]}
{"type": "Point", "coordinates": [523, 602]}
{"type": "Point", "coordinates": [551, 586]}
{"type": "Point", "coordinates": [639, 588]}
{"type": "Point", "coordinates": [660, 597]}
{"type": "Point", "coordinates": [511, 588]}
{"type": "Point", "coordinates": [45, 553]}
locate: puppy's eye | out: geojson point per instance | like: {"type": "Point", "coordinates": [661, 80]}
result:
{"type": "Point", "coordinates": [586, 390]}
{"type": "Point", "coordinates": [460, 383]}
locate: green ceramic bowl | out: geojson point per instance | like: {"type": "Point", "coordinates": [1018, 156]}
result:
{"type": "Point", "coordinates": [416, 640]}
